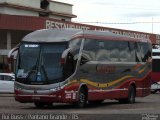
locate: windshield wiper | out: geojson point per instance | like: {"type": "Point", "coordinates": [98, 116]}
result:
{"type": "Point", "coordinates": [34, 68]}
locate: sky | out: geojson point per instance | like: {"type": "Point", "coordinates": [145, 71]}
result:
{"type": "Point", "coordinates": [137, 15]}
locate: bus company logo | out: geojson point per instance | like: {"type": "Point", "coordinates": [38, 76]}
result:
{"type": "Point", "coordinates": [150, 117]}
{"type": "Point", "coordinates": [105, 69]}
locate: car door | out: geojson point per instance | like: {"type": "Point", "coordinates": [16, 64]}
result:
{"type": "Point", "coordinates": [8, 84]}
{"type": "Point", "coordinates": [2, 84]}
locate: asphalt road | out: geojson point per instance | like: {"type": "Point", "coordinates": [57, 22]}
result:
{"type": "Point", "coordinates": [147, 108]}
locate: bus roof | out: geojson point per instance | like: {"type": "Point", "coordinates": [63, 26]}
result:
{"type": "Point", "coordinates": [50, 35]}
{"type": "Point", "coordinates": [62, 35]}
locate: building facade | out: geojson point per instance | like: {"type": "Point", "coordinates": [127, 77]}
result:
{"type": "Point", "coordinates": [20, 17]}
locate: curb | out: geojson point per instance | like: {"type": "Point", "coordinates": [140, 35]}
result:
{"type": "Point", "coordinates": [6, 95]}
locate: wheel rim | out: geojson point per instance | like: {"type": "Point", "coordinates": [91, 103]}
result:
{"type": "Point", "coordinates": [82, 98]}
{"type": "Point", "coordinates": [132, 96]}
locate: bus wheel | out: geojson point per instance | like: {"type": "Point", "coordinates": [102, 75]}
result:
{"type": "Point", "coordinates": [49, 104]}
{"type": "Point", "coordinates": [96, 102]}
{"type": "Point", "coordinates": [131, 95]}
{"type": "Point", "coordinates": [82, 98]}
{"type": "Point", "coordinates": [39, 104]}
{"type": "Point", "coordinates": [122, 101]}
{"type": "Point", "coordinates": [153, 92]}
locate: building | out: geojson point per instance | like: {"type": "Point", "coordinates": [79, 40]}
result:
{"type": "Point", "coordinates": [20, 17]}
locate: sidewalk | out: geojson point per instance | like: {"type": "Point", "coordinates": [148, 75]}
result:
{"type": "Point", "coordinates": [6, 95]}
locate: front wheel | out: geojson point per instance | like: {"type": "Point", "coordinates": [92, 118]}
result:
{"type": "Point", "coordinates": [42, 104]}
{"type": "Point", "coordinates": [82, 98]}
{"type": "Point", "coordinates": [39, 104]}
{"type": "Point", "coordinates": [96, 102]}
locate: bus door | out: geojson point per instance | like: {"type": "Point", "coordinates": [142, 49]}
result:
{"type": "Point", "coordinates": [70, 58]}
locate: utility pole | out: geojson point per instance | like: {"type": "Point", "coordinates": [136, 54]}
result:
{"type": "Point", "coordinates": [152, 24]}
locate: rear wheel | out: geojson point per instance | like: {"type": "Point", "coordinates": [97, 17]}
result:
{"type": "Point", "coordinates": [131, 96]}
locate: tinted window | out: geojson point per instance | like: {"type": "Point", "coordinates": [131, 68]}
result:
{"type": "Point", "coordinates": [132, 52]}
{"type": "Point", "coordinates": [40, 63]}
{"type": "Point", "coordinates": [109, 50]}
{"type": "Point", "coordinates": [146, 51]}
{"type": "Point", "coordinates": [155, 63]}
{"type": "Point", "coordinates": [72, 57]}
{"type": "Point", "coordinates": [75, 43]}
{"type": "Point", "coordinates": [124, 52]}
{"type": "Point", "coordinates": [51, 57]}
{"type": "Point", "coordinates": [28, 56]}
{"type": "Point", "coordinates": [1, 77]}
{"type": "Point", "coordinates": [155, 54]}
{"type": "Point", "coordinates": [8, 78]}
{"type": "Point", "coordinates": [90, 49]}
{"type": "Point", "coordinates": [143, 52]}
{"type": "Point", "coordinates": [75, 47]}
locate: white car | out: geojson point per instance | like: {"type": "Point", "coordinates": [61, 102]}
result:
{"type": "Point", "coordinates": [155, 87]}
{"type": "Point", "coordinates": [7, 82]}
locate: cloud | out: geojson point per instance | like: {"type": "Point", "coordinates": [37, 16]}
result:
{"type": "Point", "coordinates": [141, 14]}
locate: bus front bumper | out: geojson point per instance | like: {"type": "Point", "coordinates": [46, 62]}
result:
{"type": "Point", "coordinates": [55, 97]}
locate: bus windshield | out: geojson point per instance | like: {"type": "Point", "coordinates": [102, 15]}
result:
{"type": "Point", "coordinates": [40, 63]}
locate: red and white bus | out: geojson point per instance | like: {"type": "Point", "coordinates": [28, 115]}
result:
{"type": "Point", "coordinates": [81, 66]}
{"type": "Point", "coordinates": [155, 68]}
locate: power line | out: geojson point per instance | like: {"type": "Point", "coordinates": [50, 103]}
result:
{"type": "Point", "coordinates": [119, 22]}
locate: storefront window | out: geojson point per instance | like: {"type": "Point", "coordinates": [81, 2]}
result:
{"type": "Point", "coordinates": [4, 66]}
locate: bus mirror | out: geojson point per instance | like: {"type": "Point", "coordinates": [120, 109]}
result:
{"type": "Point", "coordinates": [64, 56]}
{"type": "Point", "coordinates": [12, 54]}
{"type": "Point", "coordinates": [83, 60]}
{"type": "Point", "coordinates": [9, 60]}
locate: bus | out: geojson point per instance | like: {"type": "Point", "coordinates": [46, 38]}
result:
{"type": "Point", "coordinates": [155, 76]}
{"type": "Point", "coordinates": [81, 67]}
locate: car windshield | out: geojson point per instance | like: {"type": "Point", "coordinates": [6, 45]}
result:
{"type": "Point", "coordinates": [40, 63]}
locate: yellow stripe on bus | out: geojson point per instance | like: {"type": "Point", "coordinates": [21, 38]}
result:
{"type": "Point", "coordinates": [142, 70]}
{"type": "Point", "coordinates": [103, 85]}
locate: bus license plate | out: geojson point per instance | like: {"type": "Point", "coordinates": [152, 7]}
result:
{"type": "Point", "coordinates": [35, 97]}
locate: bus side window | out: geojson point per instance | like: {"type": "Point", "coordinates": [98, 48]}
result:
{"type": "Point", "coordinates": [75, 47]}
{"type": "Point", "coordinates": [146, 51]}
{"type": "Point", "coordinates": [113, 48]}
{"type": "Point", "coordinates": [69, 66]}
{"type": "Point", "coordinates": [71, 59]}
{"type": "Point", "coordinates": [143, 52]}
{"type": "Point", "coordinates": [89, 51]}
{"type": "Point", "coordinates": [103, 51]}
{"type": "Point", "coordinates": [139, 53]}
{"type": "Point", "coordinates": [131, 51]}
{"type": "Point", "coordinates": [124, 54]}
